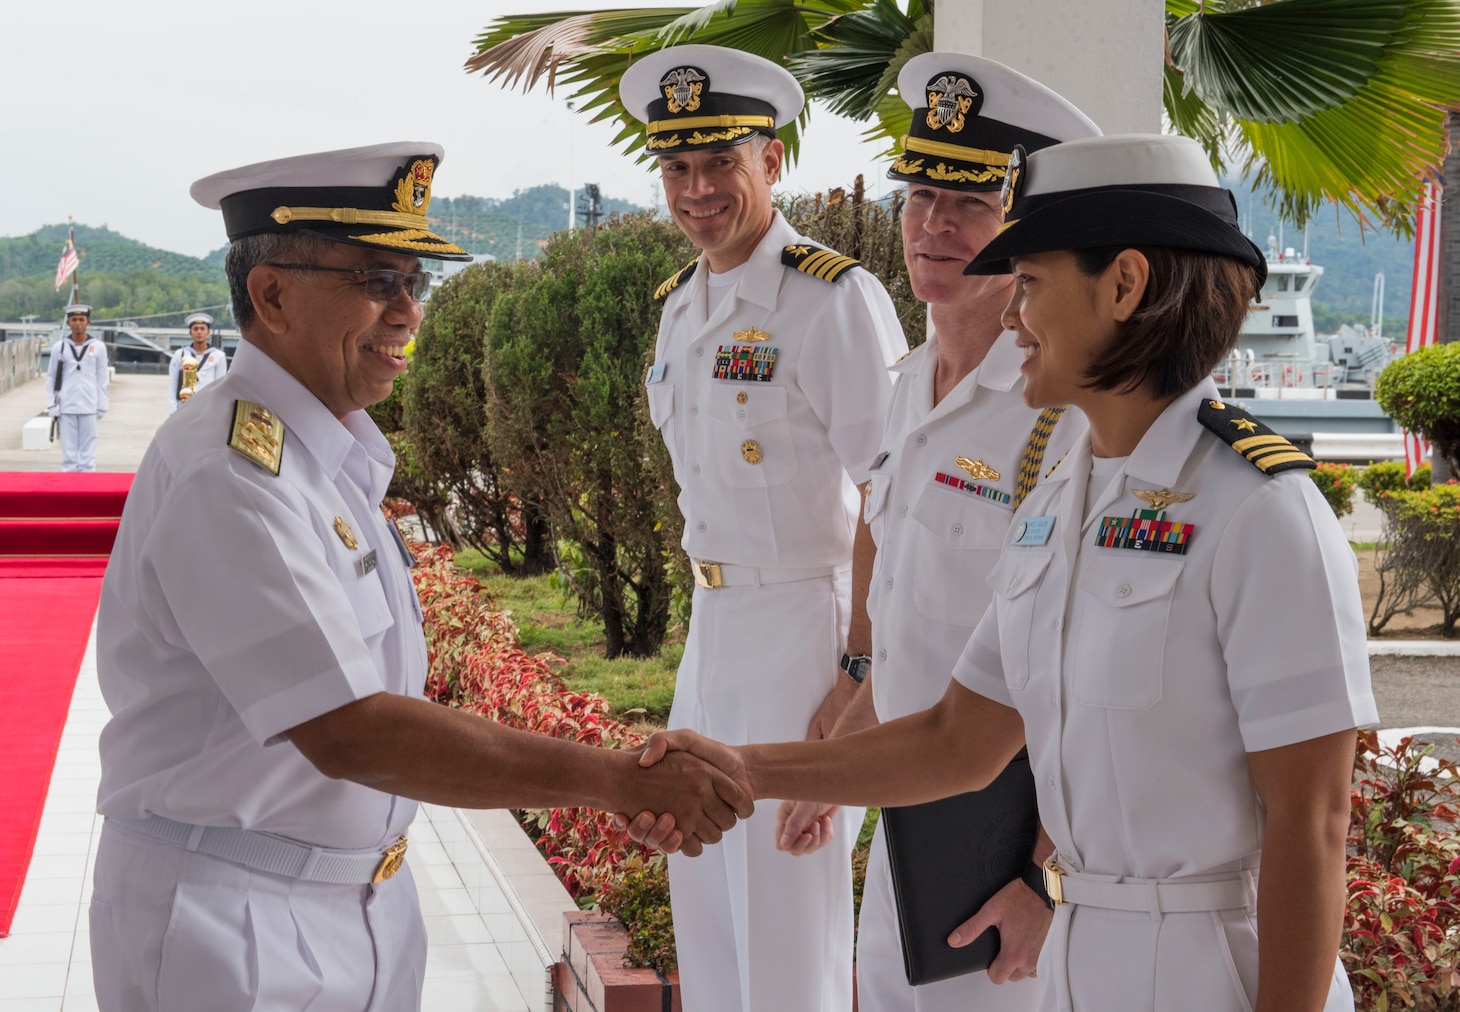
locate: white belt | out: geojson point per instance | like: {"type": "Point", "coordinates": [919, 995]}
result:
{"type": "Point", "coordinates": [1148, 895]}
{"type": "Point", "coordinates": [711, 575]}
{"type": "Point", "coordinates": [274, 854]}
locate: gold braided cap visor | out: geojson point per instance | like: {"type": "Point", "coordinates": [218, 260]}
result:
{"type": "Point", "coordinates": [348, 216]}
{"type": "Point", "coordinates": [941, 149]}
{"type": "Point", "coordinates": [695, 122]}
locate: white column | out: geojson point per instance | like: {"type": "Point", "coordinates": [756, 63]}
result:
{"type": "Point", "coordinates": [1106, 56]}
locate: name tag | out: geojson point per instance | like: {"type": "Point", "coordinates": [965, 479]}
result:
{"type": "Point", "coordinates": [367, 564]}
{"type": "Point", "coordinates": [655, 374]}
{"type": "Point", "coordinates": [1032, 531]}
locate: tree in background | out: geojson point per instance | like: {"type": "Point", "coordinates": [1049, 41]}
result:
{"type": "Point", "coordinates": [1421, 391]}
{"type": "Point", "coordinates": [444, 419]}
{"type": "Point", "coordinates": [1321, 100]}
{"type": "Point", "coordinates": [564, 380]}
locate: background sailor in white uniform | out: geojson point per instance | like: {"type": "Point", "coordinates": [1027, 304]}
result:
{"type": "Point", "coordinates": [770, 386]}
{"type": "Point", "coordinates": [268, 739]}
{"type": "Point", "coordinates": [211, 363]}
{"type": "Point", "coordinates": [76, 390]}
{"type": "Point", "coordinates": [960, 451]}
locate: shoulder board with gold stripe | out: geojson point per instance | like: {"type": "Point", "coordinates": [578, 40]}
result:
{"type": "Point", "coordinates": [672, 282]}
{"type": "Point", "coordinates": [258, 434]}
{"type": "Point", "coordinates": [1264, 449]}
{"type": "Point", "coordinates": [826, 264]}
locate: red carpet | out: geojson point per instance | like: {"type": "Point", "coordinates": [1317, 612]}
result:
{"type": "Point", "coordinates": [56, 531]}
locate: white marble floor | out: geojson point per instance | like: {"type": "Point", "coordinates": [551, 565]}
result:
{"type": "Point", "coordinates": [45, 964]}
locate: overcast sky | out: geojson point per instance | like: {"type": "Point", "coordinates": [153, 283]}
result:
{"type": "Point", "coordinates": [109, 110]}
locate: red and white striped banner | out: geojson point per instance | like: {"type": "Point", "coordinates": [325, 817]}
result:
{"type": "Point", "coordinates": [68, 263]}
{"type": "Point", "coordinates": [1423, 302]}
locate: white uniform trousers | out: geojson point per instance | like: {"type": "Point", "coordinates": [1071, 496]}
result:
{"type": "Point", "coordinates": [882, 979]}
{"type": "Point", "coordinates": [758, 930]}
{"type": "Point", "coordinates": [180, 931]}
{"type": "Point", "coordinates": [78, 442]}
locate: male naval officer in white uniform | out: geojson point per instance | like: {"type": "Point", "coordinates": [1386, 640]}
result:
{"type": "Point", "coordinates": [209, 364]}
{"type": "Point", "coordinates": [960, 451]}
{"type": "Point", "coordinates": [268, 733]}
{"type": "Point", "coordinates": [770, 386]}
{"type": "Point", "coordinates": [76, 388]}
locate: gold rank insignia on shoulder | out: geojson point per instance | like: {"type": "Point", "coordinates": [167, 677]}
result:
{"type": "Point", "coordinates": [826, 264]}
{"type": "Point", "coordinates": [1264, 449]}
{"type": "Point", "coordinates": [346, 535]}
{"type": "Point", "coordinates": [258, 434]}
{"type": "Point", "coordinates": [977, 469]}
{"type": "Point", "coordinates": [673, 281]}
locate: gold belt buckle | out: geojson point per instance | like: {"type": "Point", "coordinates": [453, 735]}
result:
{"type": "Point", "coordinates": [1053, 873]}
{"type": "Point", "coordinates": [390, 861]}
{"type": "Point", "coordinates": [707, 575]}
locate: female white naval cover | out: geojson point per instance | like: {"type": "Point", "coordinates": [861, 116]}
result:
{"type": "Point", "coordinates": [83, 396]}
{"type": "Point", "coordinates": [1144, 678]}
{"type": "Point", "coordinates": [212, 365]}
{"type": "Point", "coordinates": [232, 611]}
{"type": "Point", "coordinates": [948, 478]}
{"type": "Point", "coordinates": [938, 531]}
{"type": "Point", "coordinates": [766, 472]}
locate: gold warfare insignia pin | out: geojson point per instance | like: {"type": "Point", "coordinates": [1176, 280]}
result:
{"type": "Point", "coordinates": [1159, 499]}
{"type": "Point", "coordinates": [346, 535]}
{"type": "Point", "coordinates": [977, 469]}
{"type": "Point", "coordinates": [750, 450]}
{"type": "Point", "coordinates": [949, 99]}
{"type": "Point", "coordinates": [682, 89]}
{"type": "Point", "coordinates": [751, 336]}
{"type": "Point", "coordinates": [257, 434]}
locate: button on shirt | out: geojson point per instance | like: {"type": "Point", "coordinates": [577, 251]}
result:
{"type": "Point", "coordinates": [84, 378]}
{"type": "Point", "coordinates": [1168, 669]}
{"type": "Point", "coordinates": [936, 542]}
{"type": "Point", "coordinates": [233, 610]}
{"type": "Point", "coordinates": [766, 468]}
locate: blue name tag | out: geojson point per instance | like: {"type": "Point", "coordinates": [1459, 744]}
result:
{"type": "Point", "coordinates": [655, 374]}
{"type": "Point", "coordinates": [1032, 531]}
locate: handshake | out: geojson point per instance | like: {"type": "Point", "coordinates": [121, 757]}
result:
{"type": "Point", "coordinates": [688, 791]}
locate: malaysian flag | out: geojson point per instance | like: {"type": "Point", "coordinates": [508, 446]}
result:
{"type": "Point", "coordinates": [68, 264]}
{"type": "Point", "coordinates": [1423, 302]}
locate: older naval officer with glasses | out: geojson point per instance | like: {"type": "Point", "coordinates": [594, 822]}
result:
{"type": "Point", "coordinates": [260, 644]}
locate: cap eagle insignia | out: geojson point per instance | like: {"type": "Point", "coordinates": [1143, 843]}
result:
{"type": "Point", "coordinates": [949, 99]}
{"type": "Point", "coordinates": [682, 87]}
{"type": "Point", "coordinates": [413, 189]}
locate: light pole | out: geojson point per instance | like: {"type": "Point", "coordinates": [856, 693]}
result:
{"type": "Point", "coordinates": [572, 193]}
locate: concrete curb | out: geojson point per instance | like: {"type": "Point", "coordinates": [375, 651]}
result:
{"type": "Point", "coordinates": [1414, 648]}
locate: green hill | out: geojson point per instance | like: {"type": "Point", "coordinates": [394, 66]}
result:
{"type": "Point", "coordinates": [102, 251]}
{"type": "Point", "coordinates": [490, 226]}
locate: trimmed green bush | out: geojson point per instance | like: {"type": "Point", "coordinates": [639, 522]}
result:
{"type": "Point", "coordinates": [1388, 476]}
{"type": "Point", "coordinates": [1421, 391]}
{"type": "Point", "coordinates": [1336, 482]}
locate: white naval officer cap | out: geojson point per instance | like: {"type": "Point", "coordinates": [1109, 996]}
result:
{"type": "Point", "coordinates": [1122, 190]}
{"type": "Point", "coordinates": [77, 309]}
{"type": "Point", "coordinates": [969, 113]}
{"type": "Point", "coordinates": [375, 196]}
{"type": "Point", "coordinates": [193, 318]}
{"type": "Point", "coordinates": [699, 97]}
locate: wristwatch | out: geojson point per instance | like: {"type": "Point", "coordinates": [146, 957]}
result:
{"type": "Point", "coordinates": [856, 667]}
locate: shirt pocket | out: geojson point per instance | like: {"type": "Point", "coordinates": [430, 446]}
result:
{"type": "Point", "coordinates": [959, 539]}
{"type": "Point", "coordinates": [1015, 582]}
{"type": "Point", "coordinates": [661, 402]}
{"type": "Point", "coordinates": [1121, 643]}
{"type": "Point", "coordinates": [752, 434]}
{"type": "Point", "coordinates": [367, 600]}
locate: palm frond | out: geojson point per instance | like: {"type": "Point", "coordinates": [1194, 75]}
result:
{"type": "Point", "coordinates": [854, 52]}
{"type": "Point", "coordinates": [528, 47]}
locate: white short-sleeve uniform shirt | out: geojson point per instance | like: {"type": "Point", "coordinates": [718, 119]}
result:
{"type": "Point", "coordinates": [212, 366]}
{"type": "Point", "coordinates": [84, 378]}
{"type": "Point", "coordinates": [234, 609]}
{"type": "Point", "coordinates": [815, 422]}
{"type": "Point", "coordinates": [938, 531]}
{"type": "Point", "coordinates": [1144, 679]}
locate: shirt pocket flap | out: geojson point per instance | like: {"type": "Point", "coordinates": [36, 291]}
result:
{"type": "Point", "coordinates": [1121, 583]}
{"type": "Point", "coordinates": [367, 600]}
{"type": "Point", "coordinates": [961, 520]}
{"type": "Point", "coordinates": [761, 404]}
{"type": "Point", "coordinates": [661, 403]}
{"type": "Point", "coordinates": [1018, 571]}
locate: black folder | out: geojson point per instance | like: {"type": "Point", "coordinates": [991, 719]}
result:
{"type": "Point", "coordinates": [948, 858]}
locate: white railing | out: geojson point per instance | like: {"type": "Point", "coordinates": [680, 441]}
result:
{"type": "Point", "coordinates": [20, 361]}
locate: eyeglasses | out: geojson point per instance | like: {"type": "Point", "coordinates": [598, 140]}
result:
{"type": "Point", "coordinates": [379, 285]}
